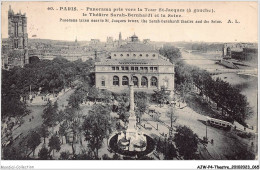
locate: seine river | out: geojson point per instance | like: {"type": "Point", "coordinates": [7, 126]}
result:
{"type": "Point", "coordinates": [247, 84]}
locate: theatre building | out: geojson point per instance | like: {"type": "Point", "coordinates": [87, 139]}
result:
{"type": "Point", "coordinates": [138, 61]}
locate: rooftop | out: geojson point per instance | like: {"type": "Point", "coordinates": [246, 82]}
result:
{"type": "Point", "coordinates": [136, 47]}
{"type": "Point", "coordinates": [134, 62]}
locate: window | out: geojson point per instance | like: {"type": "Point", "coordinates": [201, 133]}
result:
{"type": "Point", "coordinates": [154, 82]}
{"type": "Point", "coordinates": [16, 43]}
{"type": "Point", "coordinates": [136, 68]}
{"type": "Point", "coordinates": [147, 55]}
{"type": "Point", "coordinates": [145, 68]}
{"type": "Point", "coordinates": [141, 55]}
{"type": "Point", "coordinates": [16, 29]}
{"type": "Point", "coordinates": [122, 68]}
{"type": "Point", "coordinates": [125, 81]}
{"type": "Point", "coordinates": [166, 83]}
{"type": "Point", "coordinates": [127, 55]}
{"type": "Point", "coordinates": [116, 81]}
{"type": "Point", "coordinates": [135, 81]}
{"type": "Point", "coordinates": [134, 55]}
{"type": "Point", "coordinates": [114, 54]}
{"type": "Point", "coordinates": [153, 55]}
{"type": "Point", "coordinates": [132, 68]}
{"type": "Point", "coordinates": [141, 68]}
{"type": "Point", "coordinates": [144, 82]}
{"type": "Point", "coordinates": [121, 55]}
{"type": "Point", "coordinates": [151, 68]}
{"type": "Point", "coordinates": [126, 68]}
{"type": "Point", "coordinates": [113, 68]}
{"type": "Point", "coordinates": [155, 68]}
{"type": "Point", "coordinates": [103, 83]}
{"type": "Point", "coordinates": [117, 68]}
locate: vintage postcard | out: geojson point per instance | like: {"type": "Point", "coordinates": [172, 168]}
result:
{"type": "Point", "coordinates": [132, 81]}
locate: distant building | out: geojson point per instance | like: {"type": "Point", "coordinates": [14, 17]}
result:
{"type": "Point", "coordinates": [146, 41]}
{"type": "Point", "coordinates": [94, 42]}
{"type": "Point", "coordinates": [141, 62]}
{"type": "Point", "coordinates": [239, 51]}
{"type": "Point", "coordinates": [110, 42]}
{"type": "Point", "coordinates": [17, 40]}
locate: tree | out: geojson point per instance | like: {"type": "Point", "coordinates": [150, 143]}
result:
{"type": "Point", "coordinates": [96, 125]}
{"type": "Point", "coordinates": [161, 96]}
{"type": "Point", "coordinates": [50, 114]}
{"type": "Point", "coordinates": [170, 52]}
{"type": "Point", "coordinates": [44, 132]}
{"type": "Point", "coordinates": [54, 143]}
{"type": "Point", "coordinates": [141, 106]}
{"type": "Point", "coordinates": [44, 153]}
{"type": "Point", "coordinates": [64, 155]}
{"type": "Point", "coordinates": [184, 88]}
{"type": "Point", "coordinates": [93, 94]}
{"type": "Point", "coordinates": [63, 130]}
{"type": "Point", "coordinates": [34, 140]}
{"type": "Point", "coordinates": [106, 157]}
{"type": "Point", "coordinates": [171, 115]}
{"type": "Point", "coordinates": [10, 153]}
{"type": "Point", "coordinates": [186, 142]}
{"type": "Point", "coordinates": [123, 111]}
{"type": "Point", "coordinates": [171, 152]}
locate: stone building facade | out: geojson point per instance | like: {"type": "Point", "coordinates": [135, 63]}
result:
{"type": "Point", "coordinates": [17, 39]}
{"type": "Point", "coordinates": [137, 61]}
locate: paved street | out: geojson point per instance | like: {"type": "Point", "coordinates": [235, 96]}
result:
{"type": "Point", "coordinates": [226, 143]}
{"type": "Point", "coordinates": [36, 112]}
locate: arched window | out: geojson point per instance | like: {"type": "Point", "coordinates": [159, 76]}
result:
{"type": "Point", "coordinates": [134, 55]}
{"type": "Point", "coordinates": [147, 55]}
{"type": "Point", "coordinates": [121, 55]}
{"type": "Point", "coordinates": [144, 82]}
{"type": "Point", "coordinates": [116, 81]}
{"type": "Point", "coordinates": [135, 81]}
{"type": "Point", "coordinates": [125, 81]}
{"type": "Point", "coordinates": [103, 82]}
{"type": "Point", "coordinates": [154, 82]}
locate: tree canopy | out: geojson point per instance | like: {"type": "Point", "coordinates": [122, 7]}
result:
{"type": "Point", "coordinates": [186, 142]}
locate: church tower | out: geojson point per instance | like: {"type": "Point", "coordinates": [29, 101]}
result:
{"type": "Point", "coordinates": [17, 39]}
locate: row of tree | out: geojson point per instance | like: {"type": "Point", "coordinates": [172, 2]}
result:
{"type": "Point", "coordinates": [234, 105]}
{"type": "Point", "coordinates": [45, 76]}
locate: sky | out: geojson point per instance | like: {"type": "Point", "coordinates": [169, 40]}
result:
{"type": "Point", "coordinates": [45, 24]}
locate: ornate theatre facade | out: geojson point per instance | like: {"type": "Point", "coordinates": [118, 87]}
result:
{"type": "Point", "coordinates": [141, 62]}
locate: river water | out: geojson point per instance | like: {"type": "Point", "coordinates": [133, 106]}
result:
{"type": "Point", "coordinates": [247, 84]}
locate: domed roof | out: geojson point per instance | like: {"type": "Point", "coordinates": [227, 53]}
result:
{"type": "Point", "coordinates": [134, 36]}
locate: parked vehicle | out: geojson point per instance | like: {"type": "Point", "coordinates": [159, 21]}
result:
{"type": "Point", "coordinates": [219, 123]}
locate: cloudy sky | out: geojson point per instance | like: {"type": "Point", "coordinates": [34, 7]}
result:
{"type": "Point", "coordinates": [46, 23]}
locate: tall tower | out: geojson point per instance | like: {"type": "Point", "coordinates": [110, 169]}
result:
{"type": "Point", "coordinates": [17, 39]}
{"type": "Point", "coordinates": [120, 40]}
